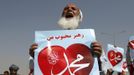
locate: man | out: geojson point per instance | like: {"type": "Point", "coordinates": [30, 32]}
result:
{"type": "Point", "coordinates": [130, 63]}
{"type": "Point", "coordinates": [71, 12]}
{"type": "Point", "coordinates": [70, 19]}
{"type": "Point", "coordinates": [13, 69]}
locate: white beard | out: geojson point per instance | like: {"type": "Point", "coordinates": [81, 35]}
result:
{"type": "Point", "coordinates": [71, 23]}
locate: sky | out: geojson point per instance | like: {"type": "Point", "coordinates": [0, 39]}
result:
{"type": "Point", "coordinates": [19, 19]}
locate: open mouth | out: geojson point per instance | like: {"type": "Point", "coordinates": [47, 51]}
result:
{"type": "Point", "coordinates": [69, 15]}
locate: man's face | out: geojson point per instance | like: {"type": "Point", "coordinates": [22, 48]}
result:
{"type": "Point", "coordinates": [13, 72]}
{"type": "Point", "coordinates": [70, 11]}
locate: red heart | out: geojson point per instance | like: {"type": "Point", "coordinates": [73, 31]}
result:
{"type": "Point", "coordinates": [58, 58]}
{"type": "Point", "coordinates": [114, 57]}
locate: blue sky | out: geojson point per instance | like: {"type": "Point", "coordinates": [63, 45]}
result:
{"type": "Point", "coordinates": [19, 19]}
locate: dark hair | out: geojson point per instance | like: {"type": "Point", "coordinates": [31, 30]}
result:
{"type": "Point", "coordinates": [13, 67]}
{"type": "Point", "coordinates": [6, 72]}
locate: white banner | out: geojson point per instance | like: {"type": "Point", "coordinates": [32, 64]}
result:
{"type": "Point", "coordinates": [65, 52]}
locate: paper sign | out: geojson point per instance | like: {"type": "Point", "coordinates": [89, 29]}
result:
{"type": "Point", "coordinates": [115, 56]}
{"type": "Point", "coordinates": [65, 52]}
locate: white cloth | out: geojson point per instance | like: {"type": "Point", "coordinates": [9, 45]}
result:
{"type": "Point", "coordinates": [31, 63]}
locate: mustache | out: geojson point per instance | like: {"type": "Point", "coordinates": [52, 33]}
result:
{"type": "Point", "coordinates": [69, 14]}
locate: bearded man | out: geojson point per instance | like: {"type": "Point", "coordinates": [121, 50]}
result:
{"type": "Point", "coordinates": [70, 19]}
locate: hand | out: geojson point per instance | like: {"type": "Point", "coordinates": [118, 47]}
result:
{"type": "Point", "coordinates": [32, 49]}
{"type": "Point", "coordinates": [97, 49]}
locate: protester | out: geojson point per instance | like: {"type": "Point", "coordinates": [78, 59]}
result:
{"type": "Point", "coordinates": [13, 69]}
{"type": "Point", "coordinates": [70, 19]}
{"type": "Point", "coordinates": [69, 12]}
{"type": "Point", "coordinates": [130, 63]}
